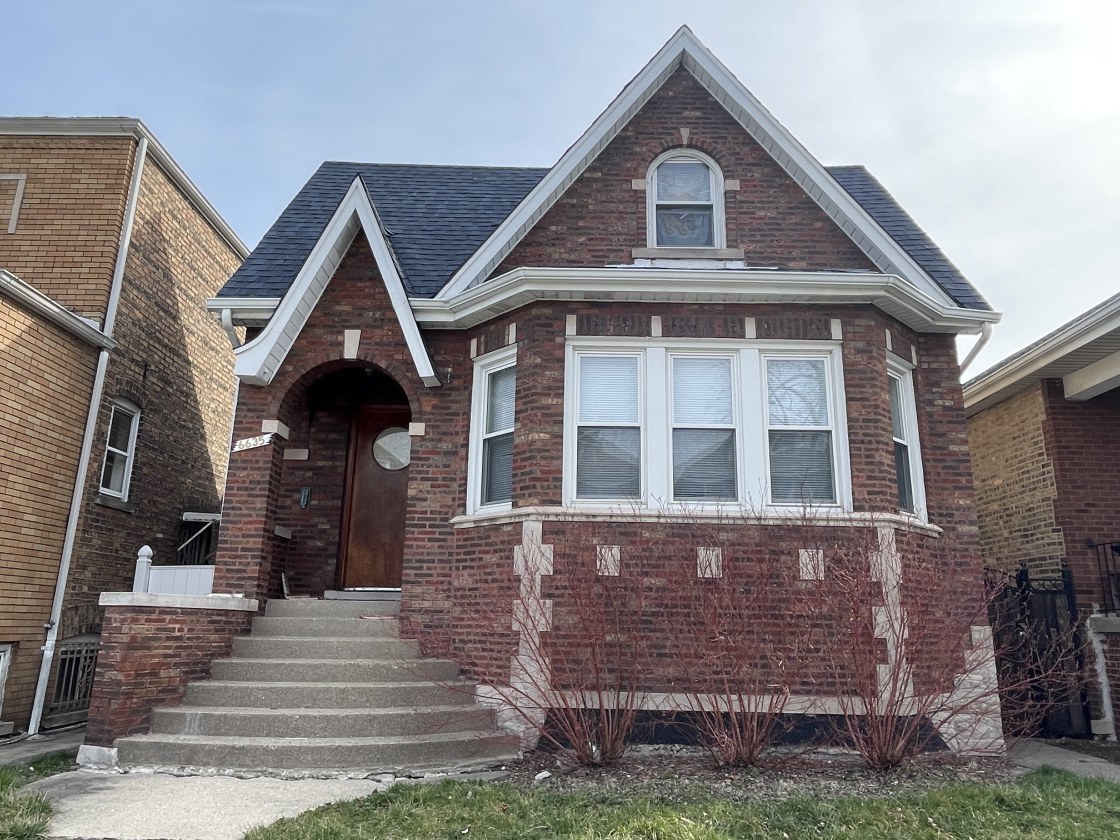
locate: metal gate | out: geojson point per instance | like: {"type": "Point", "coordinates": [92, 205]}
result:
{"type": "Point", "coordinates": [73, 681]}
{"type": "Point", "coordinates": [1038, 654]}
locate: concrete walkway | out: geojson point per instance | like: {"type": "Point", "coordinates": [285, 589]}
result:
{"type": "Point", "coordinates": [146, 806]}
{"type": "Point", "coordinates": [29, 749]}
{"type": "Point", "coordinates": [1032, 755]}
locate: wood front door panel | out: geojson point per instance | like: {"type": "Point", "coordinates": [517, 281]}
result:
{"type": "Point", "coordinates": [371, 548]}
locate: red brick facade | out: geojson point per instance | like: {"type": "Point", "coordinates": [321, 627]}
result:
{"type": "Point", "coordinates": [147, 657]}
{"type": "Point", "coordinates": [460, 579]}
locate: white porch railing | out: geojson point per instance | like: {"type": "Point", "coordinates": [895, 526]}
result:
{"type": "Point", "coordinates": [170, 580]}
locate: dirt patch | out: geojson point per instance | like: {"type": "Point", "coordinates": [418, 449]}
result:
{"type": "Point", "coordinates": [677, 773]}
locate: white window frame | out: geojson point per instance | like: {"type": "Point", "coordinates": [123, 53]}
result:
{"type": "Point", "coordinates": [903, 372]}
{"type": "Point", "coordinates": [484, 367]}
{"type": "Point", "coordinates": [7, 651]}
{"type": "Point", "coordinates": [643, 444]}
{"type": "Point", "coordinates": [735, 427]}
{"type": "Point", "coordinates": [751, 441]}
{"type": "Point", "coordinates": [719, 223]}
{"type": "Point", "coordinates": [130, 455]}
{"type": "Point", "coordinates": [830, 402]}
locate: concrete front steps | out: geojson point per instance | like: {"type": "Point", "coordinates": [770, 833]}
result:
{"type": "Point", "coordinates": [321, 688]}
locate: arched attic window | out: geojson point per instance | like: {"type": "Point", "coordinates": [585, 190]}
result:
{"type": "Point", "coordinates": [684, 201]}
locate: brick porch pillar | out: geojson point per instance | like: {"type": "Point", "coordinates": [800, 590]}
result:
{"type": "Point", "coordinates": [248, 544]}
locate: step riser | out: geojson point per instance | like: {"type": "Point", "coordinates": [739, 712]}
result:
{"type": "Point", "coordinates": [265, 647]}
{"type": "Point", "coordinates": [309, 608]}
{"type": "Point", "coordinates": [320, 724]}
{"type": "Point", "coordinates": [318, 628]}
{"type": "Point", "coordinates": [481, 751]}
{"type": "Point", "coordinates": [325, 696]}
{"type": "Point", "coordinates": [248, 670]}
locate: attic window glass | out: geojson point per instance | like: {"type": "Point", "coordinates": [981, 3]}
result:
{"type": "Point", "coordinates": [686, 196]}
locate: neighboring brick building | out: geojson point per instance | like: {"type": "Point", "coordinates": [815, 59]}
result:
{"type": "Point", "coordinates": [1043, 429]}
{"type": "Point", "coordinates": [107, 255]}
{"type": "Point", "coordinates": [683, 352]}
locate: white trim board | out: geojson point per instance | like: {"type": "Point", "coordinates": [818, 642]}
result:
{"type": "Point", "coordinates": [258, 361]}
{"type": "Point", "coordinates": [685, 50]}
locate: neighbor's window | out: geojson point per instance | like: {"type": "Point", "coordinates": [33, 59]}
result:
{"type": "Point", "coordinates": [799, 430]}
{"type": "Point", "coordinates": [685, 197]}
{"type": "Point", "coordinates": [609, 430]}
{"type": "Point", "coordinates": [120, 448]}
{"type": "Point", "coordinates": [904, 423]}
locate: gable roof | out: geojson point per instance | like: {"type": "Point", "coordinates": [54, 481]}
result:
{"type": "Point", "coordinates": [434, 218]}
{"type": "Point", "coordinates": [258, 360]}
{"type": "Point", "coordinates": [437, 216]}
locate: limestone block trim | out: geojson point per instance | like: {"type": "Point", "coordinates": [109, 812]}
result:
{"type": "Point", "coordinates": [225, 603]}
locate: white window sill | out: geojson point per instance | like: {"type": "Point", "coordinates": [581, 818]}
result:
{"type": "Point", "coordinates": [688, 253]}
{"type": "Point", "coordinates": [820, 517]}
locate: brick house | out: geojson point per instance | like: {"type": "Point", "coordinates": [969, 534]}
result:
{"type": "Point", "coordinates": [117, 385]}
{"type": "Point", "coordinates": [454, 375]}
{"type": "Point", "coordinates": [1042, 428]}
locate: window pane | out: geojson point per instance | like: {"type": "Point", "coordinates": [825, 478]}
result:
{"type": "Point", "coordinates": [608, 389]}
{"type": "Point", "coordinates": [607, 463]}
{"type": "Point", "coordinates": [797, 391]}
{"type": "Point", "coordinates": [684, 227]}
{"type": "Point", "coordinates": [801, 467]}
{"type": "Point", "coordinates": [120, 429]}
{"type": "Point", "coordinates": [903, 477]}
{"type": "Point", "coordinates": [684, 180]}
{"type": "Point", "coordinates": [702, 391]}
{"type": "Point", "coordinates": [497, 469]}
{"type": "Point", "coordinates": [112, 476]}
{"type": "Point", "coordinates": [704, 464]}
{"type": "Point", "coordinates": [896, 408]}
{"type": "Point", "coordinates": [499, 409]}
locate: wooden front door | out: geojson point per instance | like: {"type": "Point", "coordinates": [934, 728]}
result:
{"type": "Point", "coordinates": [371, 544]}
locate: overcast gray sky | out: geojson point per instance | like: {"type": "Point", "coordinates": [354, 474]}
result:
{"type": "Point", "coordinates": [992, 122]}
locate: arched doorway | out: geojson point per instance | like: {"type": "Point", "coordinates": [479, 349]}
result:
{"type": "Point", "coordinates": [375, 480]}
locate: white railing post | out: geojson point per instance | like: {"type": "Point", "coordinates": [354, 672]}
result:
{"type": "Point", "coordinates": [143, 569]}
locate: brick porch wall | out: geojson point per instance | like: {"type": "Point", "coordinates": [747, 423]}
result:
{"type": "Point", "coordinates": [147, 657]}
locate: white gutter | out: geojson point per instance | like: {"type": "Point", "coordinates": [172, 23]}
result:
{"type": "Point", "coordinates": [985, 337]}
{"type": "Point", "coordinates": [78, 496]}
{"type": "Point", "coordinates": [30, 297]}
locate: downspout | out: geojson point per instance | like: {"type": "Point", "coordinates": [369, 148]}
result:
{"type": "Point", "coordinates": [985, 336]}
{"type": "Point", "coordinates": [78, 496]}
{"type": "Point", "coordinates": [231, 330]}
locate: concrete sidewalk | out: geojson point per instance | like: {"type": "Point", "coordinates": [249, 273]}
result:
{"type": "Point", "coordinates": [146, 806]}
{"type": "Point", "coordinates": [1032, 755]}
{"type": "Point", "coordinates": [29, 749]}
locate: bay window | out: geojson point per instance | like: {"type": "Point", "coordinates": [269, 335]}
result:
{"type": "Point", "coordinates": [490, 468]}
{"type": "Point", "coordinates": [904, 433]}
{"type": "Point", "coordinates": [703, 424]}
{"type": "Point", "coordinates": [609, 433]}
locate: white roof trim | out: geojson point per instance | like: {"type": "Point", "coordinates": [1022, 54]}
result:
{"type": "Point", "coordinates": [1029, 364]}
{"type": "Point", "coordinates": [516, 288]}
{"type": "Point", "coordinates": [258, 361]}
{"type": "Point", "coordinates": [27, 295]}
{"type": "Point", "coordinates": [129, 127]}
{"type": "Point", "coordinates": [685, 50]}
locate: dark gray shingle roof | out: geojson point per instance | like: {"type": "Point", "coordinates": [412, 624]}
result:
{"type": "Point", "coordinates": [437, 216]}
{"type": "Point", "coordinates": [881, 206]}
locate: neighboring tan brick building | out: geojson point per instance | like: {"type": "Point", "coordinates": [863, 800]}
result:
{"type": "Point", "coordinates": [680, 354]}
{"type": "Point", "coordinates": [1043, 429]}
{"type": "Point", "coordinates": [107, 255]}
